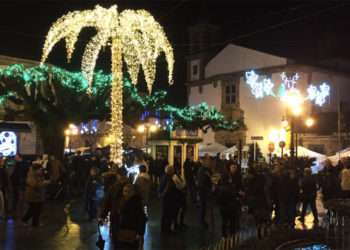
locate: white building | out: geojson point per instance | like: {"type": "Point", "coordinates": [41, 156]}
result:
{"type": "Point", "coordinates": [220, 81]}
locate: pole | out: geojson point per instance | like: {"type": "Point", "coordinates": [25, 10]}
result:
{"type": "Point", "coordinates": [296, 145]}
{"type": "Point", "coordinates": [69, 144]}
{"type": "Point", "coordinates": [240, 153]}
{"type": "Point", "coordinates": [339, 123]}
{"type": "Point", "coordinates": [292, 138]}
{"type": "Point", "coordinates": [281, 152]}
{"type": "Point", "coordinates": [254, 158]}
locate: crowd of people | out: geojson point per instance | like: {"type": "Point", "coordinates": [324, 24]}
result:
{"type": "Point", "coordinates": [270, 193]}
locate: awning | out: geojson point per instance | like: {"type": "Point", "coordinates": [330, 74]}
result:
{"type": "Point", "coordinates": [14, 126]}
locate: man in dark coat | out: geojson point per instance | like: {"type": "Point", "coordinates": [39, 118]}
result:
{"type": "Point", "coordinates": [309, 193]}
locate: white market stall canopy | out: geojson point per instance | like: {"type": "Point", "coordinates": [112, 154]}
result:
{"type": "Point", "coordinates": [302, 151]}
{"type": "Point", "coordinates": [212, 149]}
{"type": "Point", "coordinates": [341, 154]}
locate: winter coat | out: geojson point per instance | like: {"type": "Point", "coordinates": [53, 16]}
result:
{"type": "Point", "coordinates": [188, 171]}
{"type": "Point", "coordinates": [345, 179]}
{"type": "Point", "coordinates": [132, 216]}
{"type": "Point", "coordinates": [204, 181]}
{"type": "Point", "coordinates": [18, 177]}
{"type": "Point", "coordinates": [35, 189]}
{"type": "Point", "coordinates": [144, 184]}
{"type": "Point", "coordinates": [227, 195]}
{"type": "Point", "coordinates": [111, 204]}
{"type": "Point", "coordinates": [94, 189]}
{"type": "Point", "coordinates": [56, 170]}
{"type": "Point", "coordinates": [309, 187]}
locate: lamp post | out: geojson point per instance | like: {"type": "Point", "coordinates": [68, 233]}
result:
{"type": "Point", "coordinates": [294, 101]}
{"type": "Point", "coordinates": [147, 129]}
{"type": "Point", "coordinates": [72, 130]}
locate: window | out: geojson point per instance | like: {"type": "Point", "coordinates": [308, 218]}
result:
{"type": "Point", "coordinates": [230, 94]}
{"type": "Point", "coordinates": [194, 69]}
{"type": "Point", "coordinates": [200, 89]}
{"type": "Point", "coordinates": [215, 84]}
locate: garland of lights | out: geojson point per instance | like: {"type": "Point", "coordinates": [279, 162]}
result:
{"type": "Point", "coordinates": [191, 117]}
{"type": "Point", "coordinates": [132, 35]}
{"type": "Point", "coordinates": [261, 88]}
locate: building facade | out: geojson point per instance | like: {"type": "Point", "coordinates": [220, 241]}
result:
{"type": "Point", "coordinates": [223, 85]}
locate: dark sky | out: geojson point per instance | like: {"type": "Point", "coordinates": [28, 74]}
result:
{"type": "Point", "coordinates": [307, 31]}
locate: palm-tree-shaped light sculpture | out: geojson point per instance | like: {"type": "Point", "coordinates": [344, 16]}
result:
{"type": "Point", "coordinates": [133, 36]}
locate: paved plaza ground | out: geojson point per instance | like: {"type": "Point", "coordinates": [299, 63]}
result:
{"type": "Point", "coordinates": [65, 227]}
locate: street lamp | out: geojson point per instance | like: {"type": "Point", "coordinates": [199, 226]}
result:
{"type": "Point", "coordinates": [72, 130]}
{"type": "Point", "coordinates": [309, 122]}
{"type": "Point", "coordinates": [294, 101]}
{"type": "Point", "coordinates": [147, 129]}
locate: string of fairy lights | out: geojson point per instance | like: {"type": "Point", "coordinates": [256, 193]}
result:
{"type": "Point", "coordinates": [134, 36]}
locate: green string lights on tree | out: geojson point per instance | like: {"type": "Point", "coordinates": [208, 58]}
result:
{"type": "Point", "coordinates": [49, 88]}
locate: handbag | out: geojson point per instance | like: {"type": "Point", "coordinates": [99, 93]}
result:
{"type": "Point", "coordinates": [127, 235]}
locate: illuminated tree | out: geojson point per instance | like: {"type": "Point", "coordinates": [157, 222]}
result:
{"type": "Point", "coordinates": [132, 35]}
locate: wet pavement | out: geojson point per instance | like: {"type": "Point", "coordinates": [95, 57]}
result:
{"type": "Point", "coordinates": [65, 227]}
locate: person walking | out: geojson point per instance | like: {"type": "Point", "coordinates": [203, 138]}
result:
{"type": "Point", "coordinates": [35, 194]}
{"type": "Point", "coordinates": [309, 193]}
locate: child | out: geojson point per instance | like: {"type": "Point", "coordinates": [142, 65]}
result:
{"type": "Point", "coordinates": [94, 193]}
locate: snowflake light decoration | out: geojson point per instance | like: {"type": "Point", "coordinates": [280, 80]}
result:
{"type": "Point", "coordinates": [318, 95]}
{"type": "Point", "coordinates": [259, 88]}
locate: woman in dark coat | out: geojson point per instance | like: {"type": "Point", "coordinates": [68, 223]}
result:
{"type": "Point", "coordinates": [111, 205]}
{"type": "Point", "coordinates": [132, 219]}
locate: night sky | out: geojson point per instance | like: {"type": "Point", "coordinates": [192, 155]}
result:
{"type": "Point", "coordinates": [307, 31]}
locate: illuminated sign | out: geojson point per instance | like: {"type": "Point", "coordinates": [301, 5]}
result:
{"type": "Point", "coordinates": [8, 143]}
